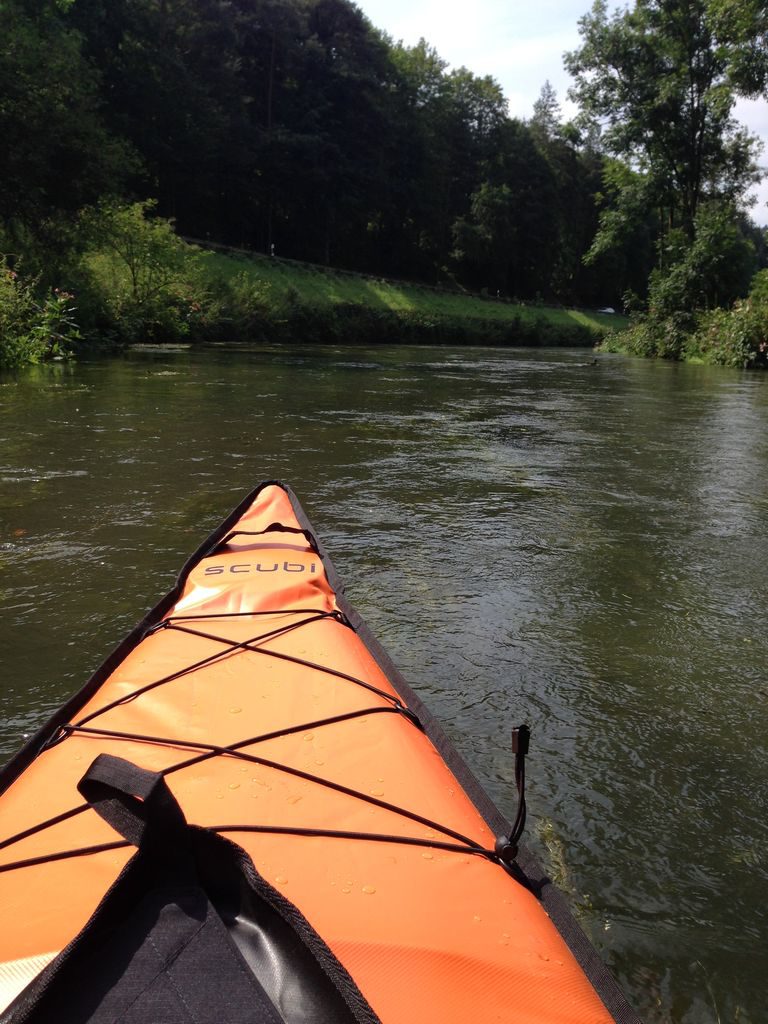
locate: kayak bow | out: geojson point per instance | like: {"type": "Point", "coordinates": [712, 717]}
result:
{"type": "Point", "coordinates": [258, 696]}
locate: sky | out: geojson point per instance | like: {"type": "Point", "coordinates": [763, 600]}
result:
{"type": "Point", "coordinates": [521, 44]}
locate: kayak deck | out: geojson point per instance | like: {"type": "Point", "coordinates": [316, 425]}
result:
{"type": "Point", "coordinates": [275, 725]}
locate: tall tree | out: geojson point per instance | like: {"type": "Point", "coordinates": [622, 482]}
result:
{"type": "Point", "coordinates": [545, 122]}
{"type": "Point", "coordinates": [56, 154]}
{"type": "Point", "coordinates": [507, 240]}
{"type": "Point", "coordinates": [662, 77]}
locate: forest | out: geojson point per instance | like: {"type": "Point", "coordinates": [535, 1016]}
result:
{"type": "Point", "coordinates": [296, 127]}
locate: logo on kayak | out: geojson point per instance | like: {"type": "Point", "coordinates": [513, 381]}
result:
{"type": "Point", "coordinates": [217, 570]}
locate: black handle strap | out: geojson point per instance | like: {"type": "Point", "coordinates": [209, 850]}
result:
{"type": "Point", "coordinates": [137, 803]}
{"type": "Point", "coordinates": [272, 528]}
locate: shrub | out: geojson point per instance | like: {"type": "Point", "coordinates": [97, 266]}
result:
{"type": "Point", "coordinates": [33, 328]}
{"type": "Point", "coordinates": [732, 337]}
{"type": "Point", "coordinates": [245, 308]}
{"type": "Point", "coordinates": [139, 280]}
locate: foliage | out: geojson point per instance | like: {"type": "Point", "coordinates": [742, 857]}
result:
{"type": "Point", "coordinates": [545, 122]}
{"type": "Point", "coordinates": [735, 337]}
{"type": "Point", "coordinates": [714, 269]}
{"type": "Point", "coordinates": [57, 154]}
{"type": "Point", "coordinates": [664, 83]}
{"type": "Point", "coordinates": [296, 124]}
{"type": "Point", "coordinates": [507, 240]}
{"type": "Point", "coordinates": [738, 336]}
{"type": "Point", "coordinates": [139, 280]}
{"type": "Point", "coordinates": [291, 123]}
{"type": "Point", "coordinates": [33, 328]}
{"type": "Point", "coordinates": [662, 337]}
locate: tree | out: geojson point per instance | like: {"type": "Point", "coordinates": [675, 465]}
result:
{"type": "Point", "coordinates": [172, 84]}
{"type": "Point", "coordinates": [56, 154]}
{"type": "Point", "coordinates": [137, 275]}
{"type": "Point", "coordinates": [507, 241]}
{"type": "Point", "coordinates": [545, 123]}
{"type": "Point", "coordinates": [662, 78]}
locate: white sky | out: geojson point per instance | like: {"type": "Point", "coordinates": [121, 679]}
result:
{"type": "Point", "coordinates": [521, 44]}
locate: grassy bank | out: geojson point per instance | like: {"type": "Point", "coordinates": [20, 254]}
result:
{"type": "Point", "coordinates": [318, 302]}
{"type": "Point", "coordinates": [127, 278]}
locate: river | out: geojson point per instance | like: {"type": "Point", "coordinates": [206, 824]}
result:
{"type": "Point", "coordinates": [532, 537]}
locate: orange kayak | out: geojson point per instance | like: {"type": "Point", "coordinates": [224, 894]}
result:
{"type": "Point", "coordinates": [281, 736]}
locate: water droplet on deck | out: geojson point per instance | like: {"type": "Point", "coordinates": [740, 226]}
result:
{"type": "Point", "coordinates": [377, 792]}
{"type": "Point", "coordinates": [369, 890]}
{"type": "Point", "coordinates": [281, 880]}
{"type": "Point", "coordinates": [234, 785]}
{"type": "Point", "coordinates": [346, 889]}
{"type": "Point", "coordinates": [428, 855]}
{"type": "Point", "coordinates": [477, 918]}
{"type": "Point", "coordinates": [309, 736]}
{"type": "Point", "coordinates": [235, 711]}
{"type": "Point", "coordinates": [319, 760]}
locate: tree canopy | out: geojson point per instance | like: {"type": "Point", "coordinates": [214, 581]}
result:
{"type": "Point", "coordinates": [296, 124]}
{"type": "Point", "coordinates": [661, 79]}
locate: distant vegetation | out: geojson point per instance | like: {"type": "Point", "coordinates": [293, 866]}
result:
{"type": "Point", "coordinates": [392, 311]}
{"type": "Point", "coordinates": [298, 125]}
{"type": "Point", "coordinates": [137, 281]}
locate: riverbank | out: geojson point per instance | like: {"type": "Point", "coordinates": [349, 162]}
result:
{"type": "Point", "coordinates": [735, 337]}
{"type": "Point", "coordinates": [132, 280]}
{"type": "Point", "coordinates": [300, 301]}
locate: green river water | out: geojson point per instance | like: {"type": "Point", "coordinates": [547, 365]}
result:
{"type": "Point", "coordinates": [531, 537]}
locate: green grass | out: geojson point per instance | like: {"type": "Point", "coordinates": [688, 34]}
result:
{"type": "Point", "coordinates": [317, 287]}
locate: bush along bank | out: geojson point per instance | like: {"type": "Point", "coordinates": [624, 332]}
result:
{"type": "Point", "coordinates": [685, 319]}
{"type": "Point", "coordinates": [35, 323]}
{"type": "Point", "coordinates": [130, 279]}
{"type": "Point", "coordinates": [735, 337]}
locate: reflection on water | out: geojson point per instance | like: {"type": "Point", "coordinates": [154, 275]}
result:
{"type": "Point", "coordinates": [533, 539]}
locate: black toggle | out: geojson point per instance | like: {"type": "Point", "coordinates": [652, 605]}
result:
{"type": "Point", "coordinates": [506, 851]}
{"type": "Point", "coordinates": [507, 847]}
{"type": "Point", "coordinates": [521, 738]}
